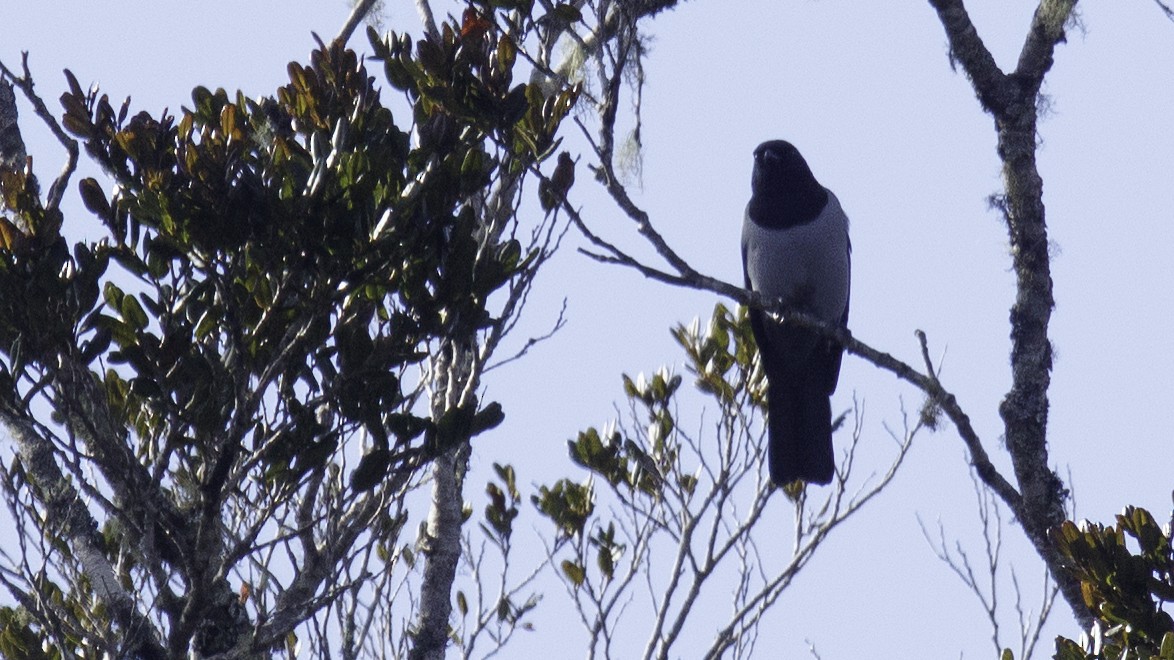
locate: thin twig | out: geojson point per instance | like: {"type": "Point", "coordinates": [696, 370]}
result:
{"type": "Point", "coordinates": [1166, 9]}
{"type": "Point", "coordinates": [534, 341]}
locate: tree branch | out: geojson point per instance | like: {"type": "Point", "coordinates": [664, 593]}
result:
{"type": "Point", "coordinates": [67, 514]}
{"type": "Point", "coordinates": [968, 49]}
{"type": "Point", "coordinates": [979, 459]}
{"type": "Point", "coordinates": [1025, 408]}
{"type": "Point", "coordinates": [360, 11]}
{"type": "Point", "coordinates": [441, 556]}
{"type": "Point", "coordinates": [25, 83]}
{"type": "Point", "coordinates": [1047, 30]}
{"type": "Point", "coordinates": [424, 8]}
{"type": "Point", "coordinates": [12, 152]}
{"type": "Point", "coordinates": [1166, 9]}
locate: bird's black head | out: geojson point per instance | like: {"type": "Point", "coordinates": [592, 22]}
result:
{"type": "Point", "coordinates": [785, 192]}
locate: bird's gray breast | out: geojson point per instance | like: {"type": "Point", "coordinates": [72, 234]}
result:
{"type": "Point", "coordinates": [806, 265]}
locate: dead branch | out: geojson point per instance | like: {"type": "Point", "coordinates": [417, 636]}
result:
{"type": "Point", "coordinates": [25, 83]}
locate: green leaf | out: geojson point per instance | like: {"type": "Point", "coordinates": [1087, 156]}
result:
{"type": "Point", "coordinates": [1167, 650]}
{"type": "Point", "coordinates": [507, 53]}
{"type": "Point", "coordinates": [506, 474]}
{"type": "Point", "coordinates": [462, 603]}
{"type": "Point", "coordinates": [574, 572]}
{"type": "Point", "coordinates": [567, 504]}
{"type": "Point", "coordinates": [146, 388]}
{"type": "Point", "coordinates": [207, 323]}
{"type": "Point", "coordinates": [12, 238]}
{"type": "Point", "coordinates": [112, 295]}
{"type": "Point", "coordinates": [1067, 649]}
{"type": "Point", "coordinates": [371, 470]}
{"type": "Point", "coordinates": [132, 312]}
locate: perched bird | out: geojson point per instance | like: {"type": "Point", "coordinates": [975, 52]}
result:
{"type": "Point", "coordinates": [795, 247]}
{"type": "Point", "coordinates": [552, 192]}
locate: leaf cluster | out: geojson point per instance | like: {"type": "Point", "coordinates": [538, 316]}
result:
{"type": "Point", "coordinates": [245, 219]}
{"type": "Point", "coordinates": [1126, 574]}
{"type": "Point", "coordinates": [645, 467]}
{"type": "Point", "coordinates": [281, 267]}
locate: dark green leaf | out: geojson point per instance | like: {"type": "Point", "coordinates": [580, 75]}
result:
{"type": "Point", "coordinates": [568, 12]}
{"type": "Point", "coordinates": [93, 197]}
{"type": "Point", "coordinates": [487, 418]}
{"type": "Point", "coordinates": [371, 470]}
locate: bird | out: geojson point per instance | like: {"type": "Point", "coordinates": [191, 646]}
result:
{"type": "Point", "coordinates": [795, 247]}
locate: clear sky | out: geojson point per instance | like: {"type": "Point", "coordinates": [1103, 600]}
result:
{"type": "Point", "coordinates": [866, 92]}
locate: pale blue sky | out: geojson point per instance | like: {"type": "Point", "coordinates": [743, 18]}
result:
{"type": "Point", "coordinates": [866, 92]}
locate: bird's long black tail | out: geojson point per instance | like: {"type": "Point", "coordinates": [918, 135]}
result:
{"type": "Point", "coordinates": [799, 429]}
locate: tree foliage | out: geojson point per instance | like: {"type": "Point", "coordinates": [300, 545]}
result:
{"type": "Point", "coordinates": [231, 368]}
{"type": "Point", "coordinates": [665, 515]}
{"type": "Point", "coordinates": [1126, 574]}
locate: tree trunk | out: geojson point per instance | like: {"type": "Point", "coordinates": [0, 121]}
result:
{"type": "Point", "coordinates": [1012, 100]}
{"type": "Point", "coordinates": [442, 555]}
{"type": "Point", "coordinates": [454, 373]}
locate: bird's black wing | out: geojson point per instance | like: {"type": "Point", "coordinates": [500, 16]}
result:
{"type": "Point", "coordinates": [834, 351]}
{"type": "Point", "coordinates": [757, 316]}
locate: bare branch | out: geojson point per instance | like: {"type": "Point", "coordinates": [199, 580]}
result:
{"type": "Point", "coordinates": [25, 83]}
{"type": "Point", "coordinates": [1046, 31]}
{"type": "Point", "coordinates": [559, 322]}
{"type": "Point", "coordinates": [967, 48]}
{"type": "Point", "coordinates": [358, 13]}
{"type": "Point", "coordinates": [67, 512]}
{"type": "Point", "coordinates": [992, 528]}
{"type": "Point", "coordinates": [12, 151]}
{"type": "Point", "coordinates": [979, 459]}
{"type": "Point", "coordinates": [1166, 9]}
{"type": "Point", "coordinates": [708, 505]}
{"type": "Point", "coordinates": [1031, 625]}
{"type": "Point", "coordinates": [424, 8]}
{"type": "Point", "coordinates": [837, 508]}
{"type": "Point", "coordinates": [986, 587]}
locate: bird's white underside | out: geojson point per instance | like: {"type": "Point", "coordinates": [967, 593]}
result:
{"type": "Point", "coordinates": [806, 264]}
